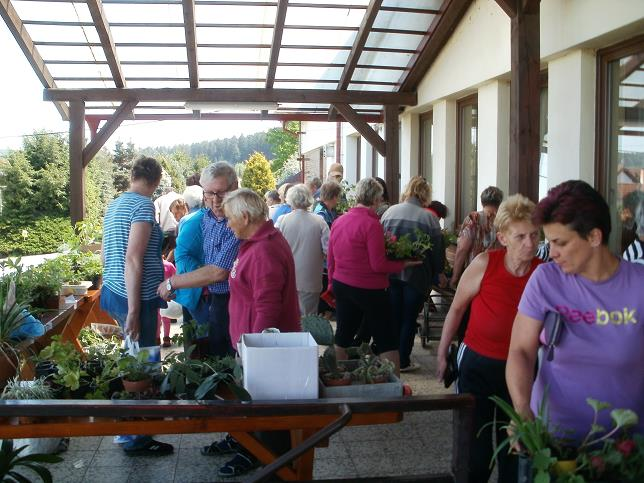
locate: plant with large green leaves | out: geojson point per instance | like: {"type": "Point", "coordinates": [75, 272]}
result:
{"type": "Point", "coordinates": [11, 461]}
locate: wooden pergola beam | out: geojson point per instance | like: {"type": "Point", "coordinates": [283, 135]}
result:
{"type": "Point", "coordinates": [76, 167]}
{"type": "Point", "coordinates": [107, 42]}
{"type": "Point", "coordinates": [508, 6]}
{"type": "Point", "coordinates": [26, 44]}
{"type": "Point", "coordinates": [359, 43]}
{"type": "Point", "coordinates": [300, 96]}
{"type": "Point", "coordinates": [365, 130]}
{"type": "Point", "coordinates": [525, 90]}
{"type": "Point", "coordinates": [95, 145]}
{"type": "Point", "coordinates": [190, 29]}
{"type": "Point", "coordinates": [276, 45]}
{"type": "Point", "coordinates": [437, 36]}
{"type": "Point", "coordinates": [237, 116]}
{"type": "Point", "coordinates": [392, 153]}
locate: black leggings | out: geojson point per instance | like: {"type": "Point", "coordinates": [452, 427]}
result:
{"type": "Point", "coordinates": [353, 305]}
{"type": "Point", "coordinates": [484, 377]}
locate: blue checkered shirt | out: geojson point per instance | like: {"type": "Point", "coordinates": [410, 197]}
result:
{"type": "Point", "coordinates": [219, 246]}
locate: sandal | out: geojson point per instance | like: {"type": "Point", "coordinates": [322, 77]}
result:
{"type": "Point", "coordinates": [150, 448]}
{"type": "Point", "coordinates": [239, 465]}
{"type": "Point", "coordinates": [228, 445]}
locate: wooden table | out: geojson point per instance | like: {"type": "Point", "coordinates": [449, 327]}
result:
{"type": "Point", "coordinates": [311, 423]}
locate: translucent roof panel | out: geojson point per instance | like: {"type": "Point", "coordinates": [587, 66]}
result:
{"type": "Point", "coordinates": [318, 37]}
{"type": "Point", "coordinates": [158, 84]}
{"type": "Point", "coordinates": [233, 35]}
{"type": "Point", "coordinates": [403, 20]}
{"type": "Point", "coordinates": [376, 75]}
{"type": "Point", "coordinates": [304, 85]}
{"type": "Point", "coordinates": [428, 4]}
{"type": "Point", "coordinates": [149, 35]}
{"type": "Point", "coordinates": [341, 16]}
{"type": "Point", "coordinates": [288, 72]}
{"type": "Point", "coordinates": [154, 13]}
{"type": "Point", "coordinates": [230, 85]}
{"type": "Point", "coordinates": [53, 11]}
{"type": "Point", "coordinates": [385, 58]}
{"type": "Point", "coordinates": [155, 70]}
{"type": "Point", "coordinates": [152, 53]}
{"type": "Point", "coordinates": [371, 87]}
{"type": "Point", "coordinates": [49, 52]}
{"type": "Point", "coordinates": [232, 71]}
{"type": "Point", "coordinates": [393, 41]}
{"type": "Point", "coordinates": [82, 70]}
{"type": "Point", "coordinates": [208, 54]}
{"type": "Point", "coordinates": [234, 14]}
{"type": "Point", "coordinates": [326, 56]}
{"type": "Point", "coordinates": [85, 84]}
{"type": "Point", "coordinates": [62, 33]}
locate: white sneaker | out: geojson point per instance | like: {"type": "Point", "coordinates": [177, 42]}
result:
{"type": "Point", "coordinates": [413, 366]}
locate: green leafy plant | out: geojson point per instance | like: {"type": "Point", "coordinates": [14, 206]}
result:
{"type": "Point", "coordinates": [11, 461]}
{"type": "Point", "coordinates": [371, 368]}
{"type": "Point", "coordinates": [138, 367]}
{"type": "Point", "coordinates": [607, 455]}
{"type": "Point", "coordinates": [67, 360]}
{"type": "Point", "coordinates": [347, 199]}
{"type": "Point", "coordinates": [258, 175]}
{"type": "Point", "coordinates": [12, 316]}
{"type": "Point", "coordinates": [329, 365]}
{"type": "Point", "coordinates": [407, 246]}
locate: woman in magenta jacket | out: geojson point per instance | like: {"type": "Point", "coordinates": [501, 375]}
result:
{"type": "Point", "coordinates": [359, 274]}
{"type": "Point", "coordinates": [262, 281]}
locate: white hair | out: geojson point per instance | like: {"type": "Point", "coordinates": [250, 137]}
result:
{"type": "Point", "coordinates": [368, 191]}
{"type": "Point", "coordinates": [245, 201]}
{"type": "Point", "coordinates": [299, 196]}
{"type": "Point", "coordinates": [218, 170]}
{"type": "Point", "coordinates": [193, 196]}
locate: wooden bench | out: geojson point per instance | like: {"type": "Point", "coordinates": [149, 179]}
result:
{"type": "Point", "coordinates": [311, 423]}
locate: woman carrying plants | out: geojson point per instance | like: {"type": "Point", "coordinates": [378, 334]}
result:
{"type": "Point", "coordinates": [263, 294]}
{"type": "Point", "coordinates": [132, 271]}
{"type": "Point", "coordinates": [492, 284]}
{"type": "Point", "coordinates": [408, 288]}
{"type": "Point", "coordinates": [597, 298]}
{"type": "Point", "coordinates": [359, 275]}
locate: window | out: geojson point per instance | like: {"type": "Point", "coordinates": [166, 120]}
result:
{"type": "Point", "coordinates": [467, 154]}
{"type": "Point", "coordinates": [543, 142]}
{"type": "Point", "coordinates": [426, 145]}
{"type": "Point", "coordinates": [620, 140]}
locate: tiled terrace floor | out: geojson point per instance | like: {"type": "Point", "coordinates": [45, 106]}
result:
{"type": "Point", "coordinates": [420, 444]}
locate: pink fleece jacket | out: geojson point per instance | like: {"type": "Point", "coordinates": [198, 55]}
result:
{"type": "Point", "coordinates": [262, 286]}
{"type": "Point", "coordinates": [356, 254]}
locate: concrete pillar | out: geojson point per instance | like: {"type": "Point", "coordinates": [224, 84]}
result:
{"type": "Point", "coordinates": [493, 135]}
{"type": "Point", "coordinates": [350, 159]}
{"type": "Point", "coordinates": [409, 147]}
{"type": "Point", "coordinates": [571, 117]}
{"type": "Point", "coordinates": [444, 160]}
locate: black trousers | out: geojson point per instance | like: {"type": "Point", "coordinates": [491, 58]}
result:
{"type": "Point", "coordinates": [218, 320]}
{"type": "Point", "coordinates": [484, 377]}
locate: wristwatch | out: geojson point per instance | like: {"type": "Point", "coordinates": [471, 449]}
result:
{"type": "Point", "coordinates": [168, 285]}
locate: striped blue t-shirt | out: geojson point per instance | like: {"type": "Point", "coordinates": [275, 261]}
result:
{"type": "Point", "coordinates": [121, 213]}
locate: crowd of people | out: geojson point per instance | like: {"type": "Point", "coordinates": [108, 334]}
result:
{"type": "Point", "coordinates": [238, 262]}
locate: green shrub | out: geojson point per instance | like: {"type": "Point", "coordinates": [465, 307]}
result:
{"type": "Point", "coordinates": [43, 235]}
{"type": "Point", "coordinates": [258, 175]}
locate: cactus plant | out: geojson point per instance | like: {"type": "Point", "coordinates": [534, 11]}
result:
{"type": "Point", "coordinates": [319, 327]}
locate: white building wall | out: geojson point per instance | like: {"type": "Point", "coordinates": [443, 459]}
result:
{"type": "Point", "coordinates": [571, 117]}
{"type": "Point", "coordinates": [443, 168]}
{"type": "Point", "coordinates": [349, 159]}
{"type": "Point", "coordinates": [409, 150]}
{"type": "Point", "coordinates": [494, 135]}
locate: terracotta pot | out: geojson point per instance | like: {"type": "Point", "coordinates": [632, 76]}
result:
{"type": "Point", "coordinates": [137, 386]}
{"type": "Point", "coordinates": [345, 380]}
{"type": "Point", "coordinates": [380, 379]}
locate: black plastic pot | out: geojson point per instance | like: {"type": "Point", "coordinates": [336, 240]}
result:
{"type": "Point", "coordinates": [45, 369]}
{"type": "Point", "coordinates": [525, 469]}
{"type": "Point", "coordinates": [94, 367]}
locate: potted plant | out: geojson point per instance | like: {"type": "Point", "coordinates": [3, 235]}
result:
{"type": "Point", "coordinates": [332, 373]}
{"type": "Point", "coordinates": [12, 316]}
{"type": "Point", "coordinates": [10, 461]}
{"type": "Point", "coordinates": [408, 246]}
{"type": "Point", "coordinates": [136, 371]}
{"type": "Point", "coordinates": [603, 455]}
{"type": "Point", "coordinates": [69, 378]}
{"type": "Point", "coordinates": [319, 327]}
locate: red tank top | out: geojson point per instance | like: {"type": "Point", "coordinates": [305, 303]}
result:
{"type": "Point", "coordinates": [494, 308]}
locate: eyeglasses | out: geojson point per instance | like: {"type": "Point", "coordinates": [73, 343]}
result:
{"type": "Point", "coordinates": [553, 326]}
{"type": "Point", "coordinates": [212, 194]}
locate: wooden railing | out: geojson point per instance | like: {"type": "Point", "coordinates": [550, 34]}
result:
{"type": "Point", "coordinates": [311, 423]}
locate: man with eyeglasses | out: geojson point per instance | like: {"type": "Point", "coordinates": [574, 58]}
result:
{"type": "Point", "coordinates": [220, 248]}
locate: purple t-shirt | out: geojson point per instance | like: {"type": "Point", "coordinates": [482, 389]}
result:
{"type": "Point", "coordinates": [601, 350]}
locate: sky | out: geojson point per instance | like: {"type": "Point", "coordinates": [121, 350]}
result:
{"type": "Point", "coordinates": [22, 111]}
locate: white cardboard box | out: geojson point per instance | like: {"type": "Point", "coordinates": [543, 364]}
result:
{"type": "Point", "coordinates": [280, 365]}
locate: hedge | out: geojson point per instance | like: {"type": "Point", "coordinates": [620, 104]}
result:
{"type": "Point", "coordinates": [43, 235]}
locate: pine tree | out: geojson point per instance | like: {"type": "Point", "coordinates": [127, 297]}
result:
{"type": "Point", "coordinates": [258, 175]}
{"type": "Point", "coordinates": [123, 160]}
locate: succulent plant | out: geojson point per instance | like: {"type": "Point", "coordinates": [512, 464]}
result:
{"type": "Point", "coordinates": [319, 327]}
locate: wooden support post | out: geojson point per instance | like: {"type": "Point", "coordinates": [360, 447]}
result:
{"type": "Point", "coordinates": [524, 100]}
{"type": "Point", "coordinates": [392, 156]}
{"type": "Point", "coordinates": [76, 168]}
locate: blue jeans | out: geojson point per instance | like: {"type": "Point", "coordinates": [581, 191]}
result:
{"type": "Point", "coordinates": [406, 302]}
{"type": "Point", "coordinates": [147, 337]}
